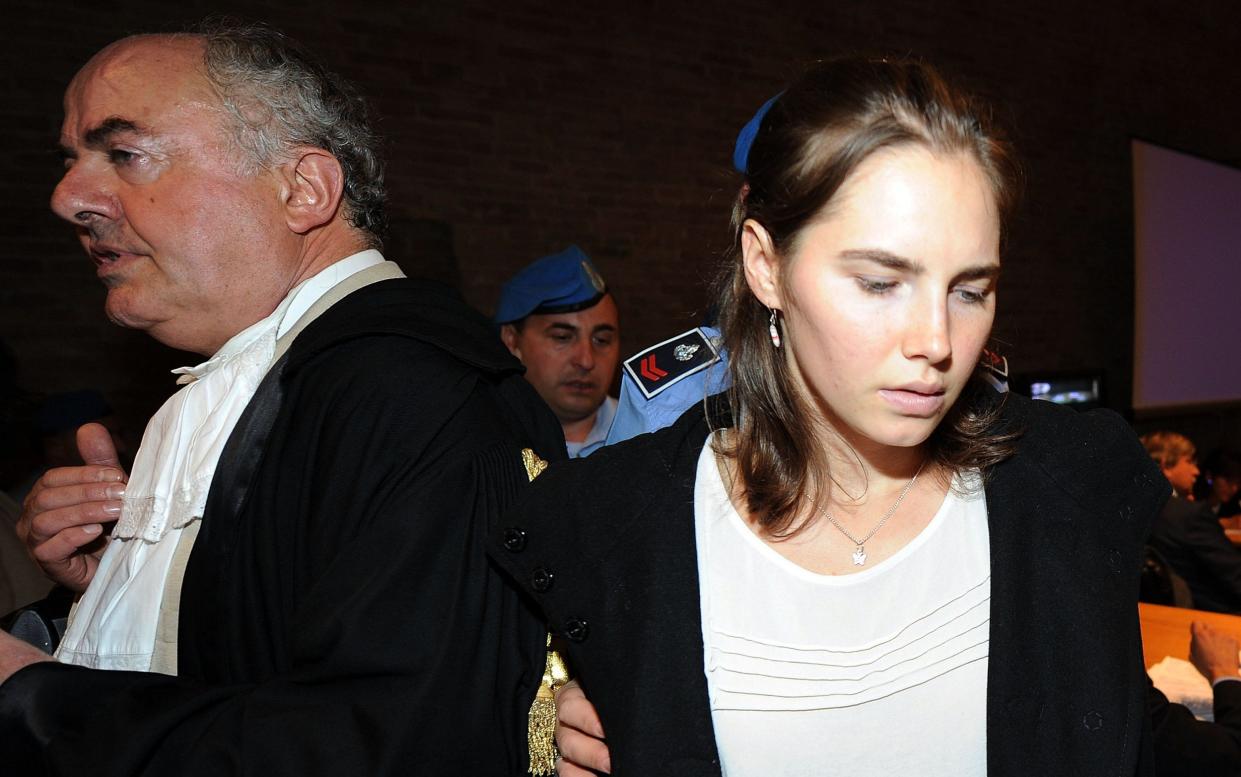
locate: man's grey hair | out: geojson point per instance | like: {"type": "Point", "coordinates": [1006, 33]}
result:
{"type": "Point", "coordinates": [281, 97]}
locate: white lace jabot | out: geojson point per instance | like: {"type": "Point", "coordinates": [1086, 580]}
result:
{"type": "Point", "coordinates": [114, 624]}
{"type": "Point", "coordinates": [182, 443]}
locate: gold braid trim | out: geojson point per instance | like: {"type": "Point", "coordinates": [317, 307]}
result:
{"type": "Point", "coordinates": [541, 731]}
{"type": "Point", "coordinates": [541, 721]}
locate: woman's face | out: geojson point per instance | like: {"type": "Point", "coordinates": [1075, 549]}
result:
{"type": "Point", "coordinates": [888, 296]}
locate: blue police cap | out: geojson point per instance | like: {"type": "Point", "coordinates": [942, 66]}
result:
{"type": "Point", "coordinates": [560, 283]}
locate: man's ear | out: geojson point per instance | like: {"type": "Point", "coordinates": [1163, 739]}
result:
{"type": "Point", "coordinates": [314, 185]}
{"type": "Point", "coordinates": [762, 265]}
{"type": "Point", "coordinates": [508, 336]}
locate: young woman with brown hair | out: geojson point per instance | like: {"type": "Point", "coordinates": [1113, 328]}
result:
{"type": "Point", "coordinates": [861, 559]}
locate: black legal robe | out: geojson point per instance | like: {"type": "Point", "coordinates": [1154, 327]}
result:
{"type": "Point", "coordinates": [338, 615]}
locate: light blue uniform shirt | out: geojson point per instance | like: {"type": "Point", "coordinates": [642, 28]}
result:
{"type": "Point", "coordinates": [597, 437]}
{"type": "Point", "coordinates": [638, 414]}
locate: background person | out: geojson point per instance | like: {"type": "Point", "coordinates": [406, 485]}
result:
{"type": "Point", "coordinates": [1177, 458]}
{"type": "Point", "coordinates": [1186, 746]}
{"type": "Point", "coordinates": [862, 555]}
{"type": "Point", "coordinates": [1221, 476]}
{"type": "Point", "coordinates": [557, 317]}
{"type": "Point", "coordinates": [1188, 535]}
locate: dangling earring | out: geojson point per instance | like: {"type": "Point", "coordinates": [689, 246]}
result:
{"type": "Point", "coordinates": [773, 330]}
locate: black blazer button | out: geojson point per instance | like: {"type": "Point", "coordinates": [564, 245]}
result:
{"type": "Point", "coordinates": [514, 539]}
{"type": "Point", "coordinates": [1093, 721]}
{"type": "Point", "coordinates": [576, 629]}
{"type": "Point", "coordinates": [541, 580]}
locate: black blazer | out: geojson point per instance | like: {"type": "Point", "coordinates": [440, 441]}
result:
{"type": "Point", "coordinates": [606, 547]}
{"type": "Point", "coordinates": [1191, 539]}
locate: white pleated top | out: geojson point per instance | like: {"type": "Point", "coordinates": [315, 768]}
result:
{"type": "Point", "coordinates": [876, 673]}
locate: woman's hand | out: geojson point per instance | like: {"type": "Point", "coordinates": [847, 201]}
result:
{"type": "Point", "coordinates": [579, 734]}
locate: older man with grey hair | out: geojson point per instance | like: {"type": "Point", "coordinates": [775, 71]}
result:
{"type": "Point", "coordinates": [294, 581]}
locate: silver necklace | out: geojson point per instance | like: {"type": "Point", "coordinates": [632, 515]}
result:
{"type": "Point", "coordinates": [859, 554]}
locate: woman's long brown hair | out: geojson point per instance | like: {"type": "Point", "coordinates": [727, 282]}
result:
{"type": "Point", "coordinates": [813, 137]}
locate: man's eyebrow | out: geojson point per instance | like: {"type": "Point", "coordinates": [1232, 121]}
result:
{"type": "Point", "coordinates": [561, 325]}
{"type": "Point", "coordinates": [604, 328]}
{"type": "Point", "coordinates": [97, 137]}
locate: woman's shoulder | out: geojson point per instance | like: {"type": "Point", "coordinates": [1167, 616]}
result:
{"type": "Point", "coordinates": [1092, 455]}
{"type": "Point", "coordinates": [1068, 432]}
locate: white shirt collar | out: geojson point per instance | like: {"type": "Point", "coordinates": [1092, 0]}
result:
{"type": "Point", "coordinates": [291, 308]}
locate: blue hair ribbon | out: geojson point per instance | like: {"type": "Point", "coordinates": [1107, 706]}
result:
{"type": "Point", "coordinates": [745, 139]}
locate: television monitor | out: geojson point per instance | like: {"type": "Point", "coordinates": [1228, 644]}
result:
{"type": "Point", "coordinates": [1083, 389]}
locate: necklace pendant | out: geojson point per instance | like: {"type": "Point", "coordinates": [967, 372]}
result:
{"type": "Point", "coordinates": [859, 556]}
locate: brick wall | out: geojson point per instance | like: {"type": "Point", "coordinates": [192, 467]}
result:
{"type": "Point", "coordinates": [517, 128]}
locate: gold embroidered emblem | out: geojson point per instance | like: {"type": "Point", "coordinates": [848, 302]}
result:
{"type": "Point", "coordinates": [534, 465]}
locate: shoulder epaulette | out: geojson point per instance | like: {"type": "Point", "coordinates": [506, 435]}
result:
{"type": "Point", "coordinates": [671, 361]}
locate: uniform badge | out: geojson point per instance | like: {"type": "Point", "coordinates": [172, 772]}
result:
{"type": "Point", "coordinates": [671, 361]}
{"type": "Point", "coordinates": [596, 280]}
{"type": "Point", "coordinates": [534, 465]}
{"type": "Point", "coordinates": [684, 352]}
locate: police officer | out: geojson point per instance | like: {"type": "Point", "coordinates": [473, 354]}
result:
{"type": "Point", "coordinates": [557, 317]}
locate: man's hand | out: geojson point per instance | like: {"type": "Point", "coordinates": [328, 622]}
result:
{"type": "Point", "coordinates": [15, 654]}
{"type": "Point", "coordinates": [579, 734]}
{"type": "Point", "coordinates": [1212, 651]}
{"type": "Point", "coordinates": [62, 520]}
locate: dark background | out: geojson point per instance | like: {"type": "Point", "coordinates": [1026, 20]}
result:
{"type": "Point", "coordinates": [515, 129]}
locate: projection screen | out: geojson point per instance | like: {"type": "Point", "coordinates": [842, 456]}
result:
{"type": "Point", "coordinates": [1187, 296]}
